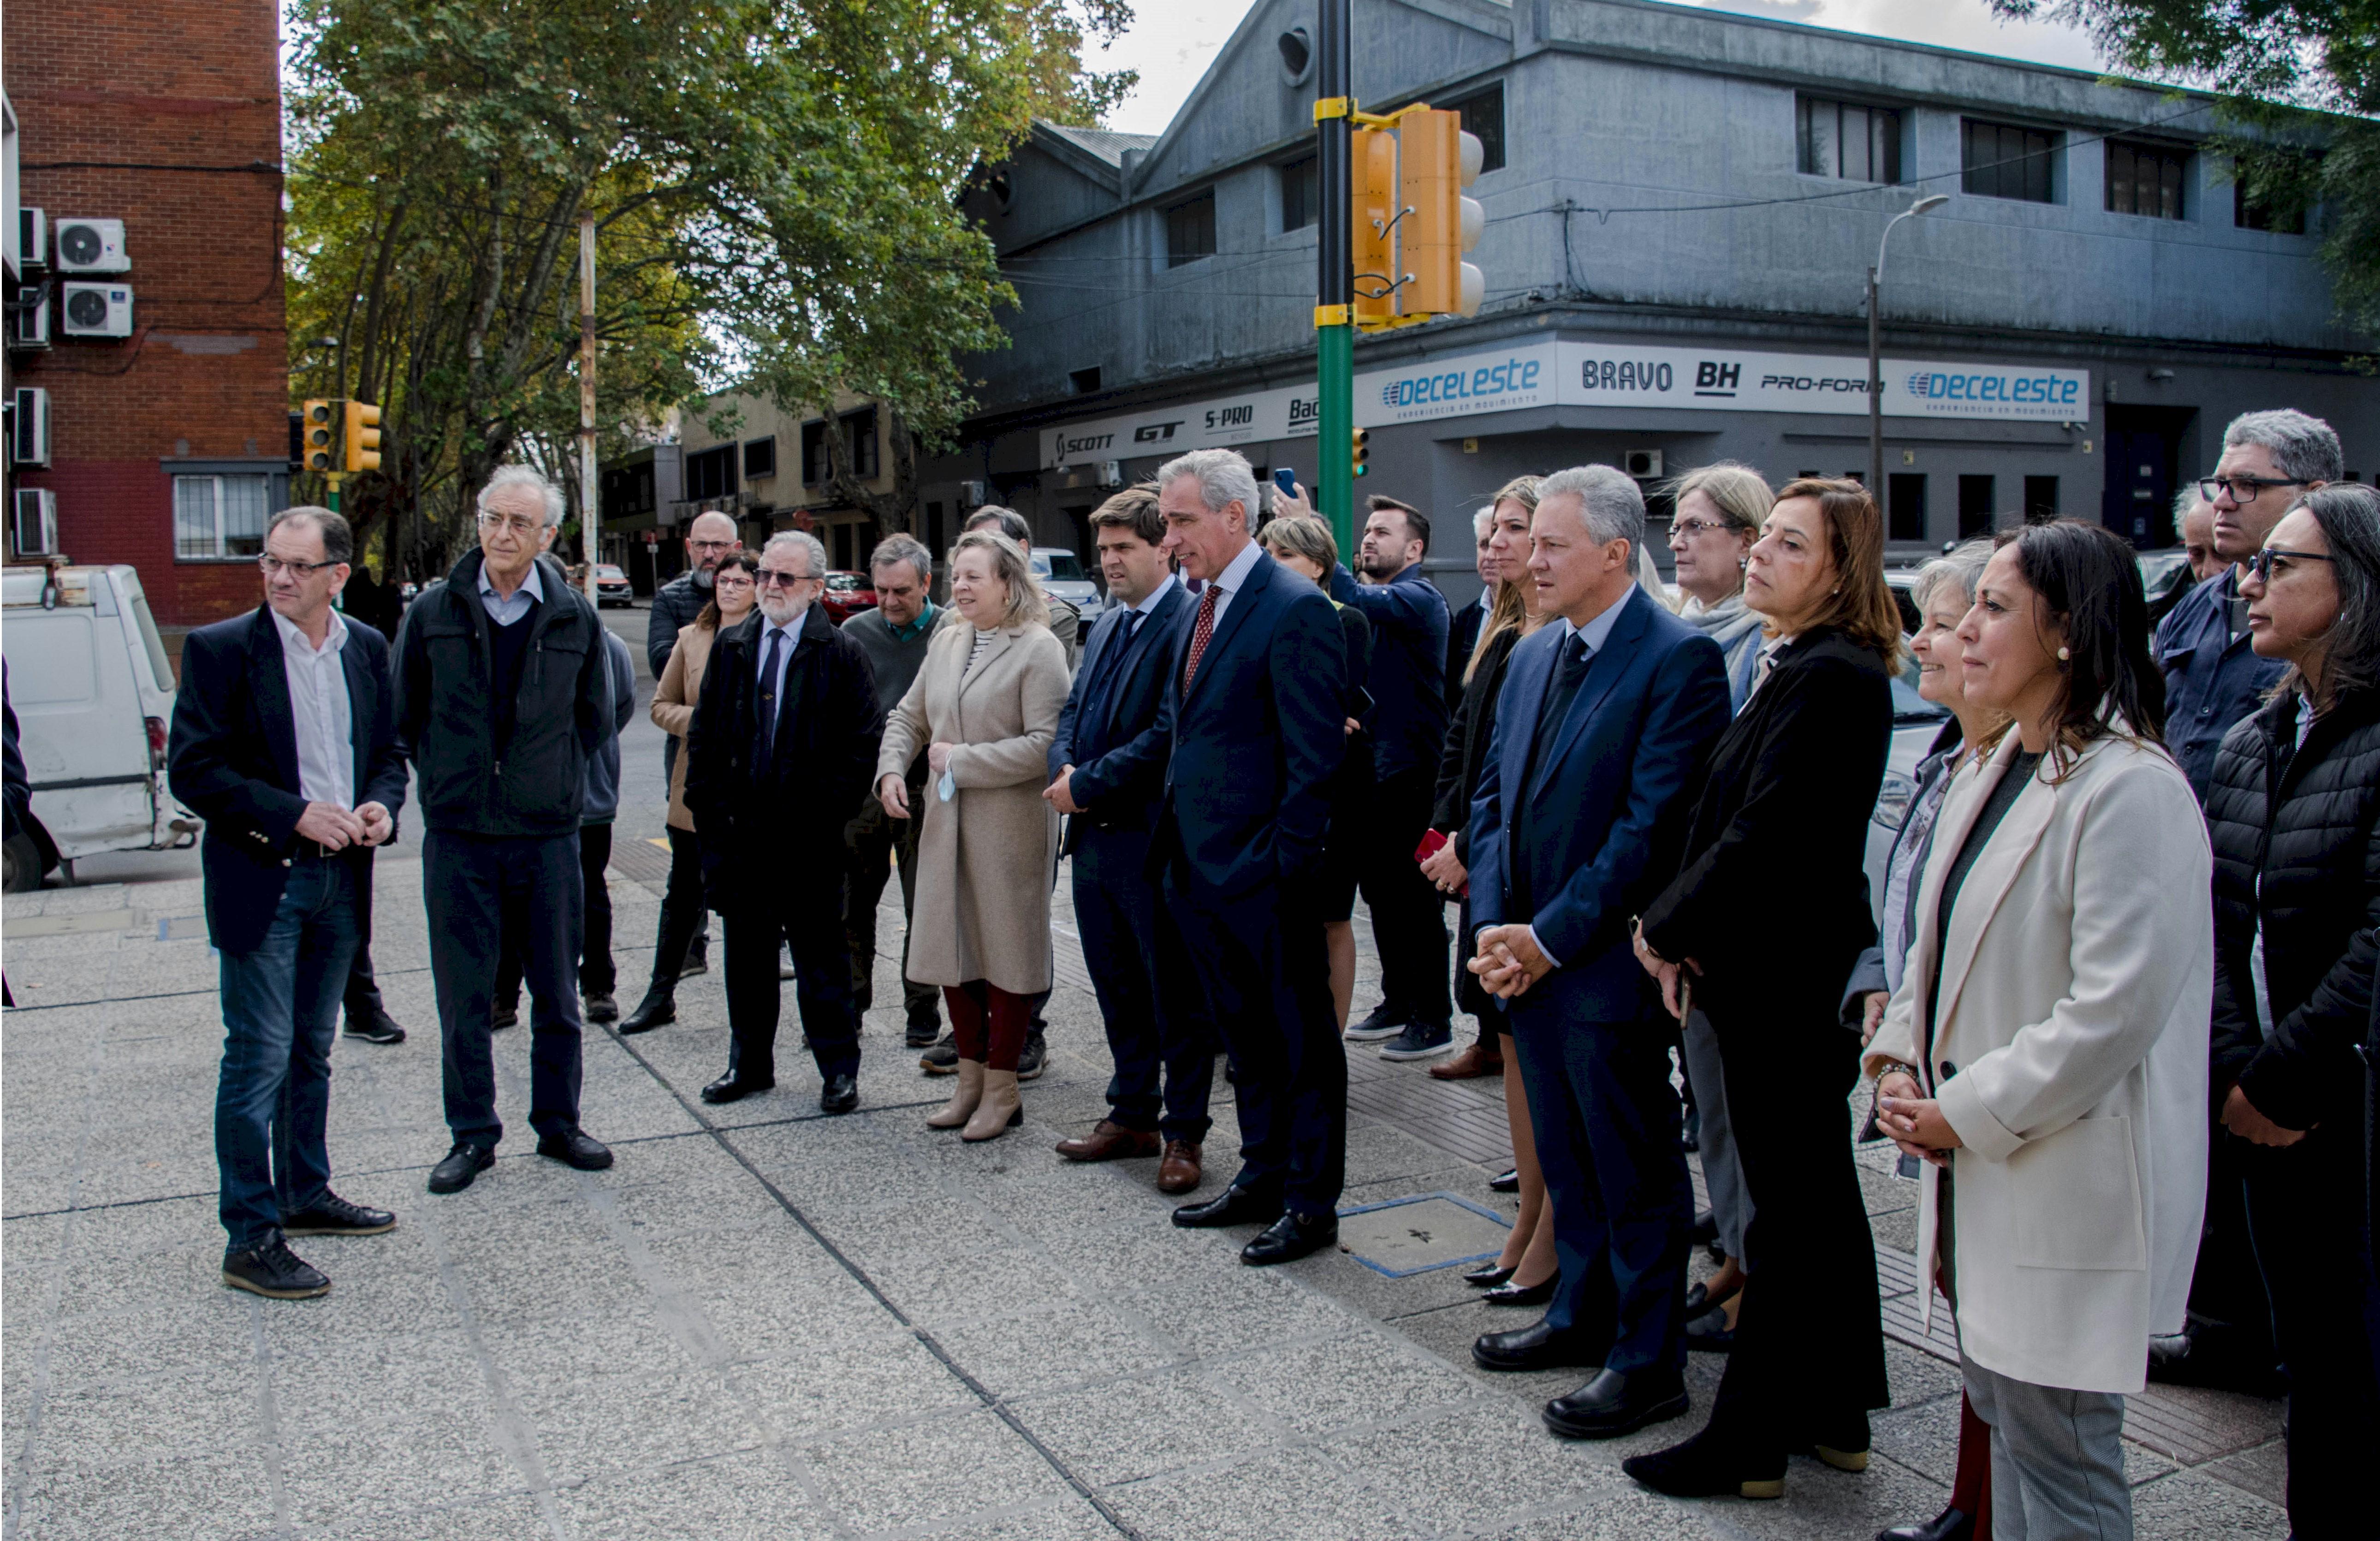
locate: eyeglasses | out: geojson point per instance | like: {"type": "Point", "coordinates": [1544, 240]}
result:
{"type": "Point", "coordinates": [1691, 527]}
{"type": "Point", "coordinates": [769, 578]}
{"type": "Point", "coordinates": [2263, 562]}
{"type": "Point", "coordinates": [522, 527]}
{"type": "Point", "coordinates": [712, 545]}
{"type": "Point", "coordinates": [726, 582]}
{"type": "Point", "coordinates": [270, 565]}
{"type": "Point", "coordinates": [2243, 488]}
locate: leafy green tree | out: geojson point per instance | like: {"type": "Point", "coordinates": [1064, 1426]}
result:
{"type": "Point", "coordinates": [773, 184]}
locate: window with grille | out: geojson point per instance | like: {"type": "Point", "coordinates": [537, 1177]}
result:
{"type": "Point", "coordinates": [1850, 141]}
{"type": "Point", "coordinates": [2145, 179]}
{"type": "Point", "coordinates": [220, 515]}
{"type": "Point", "coordinates": [1190, 230]}
{"type": "Point", "coordinates": [1301, 193]}
{"type": "Point", "coordinates": [2002, 160]}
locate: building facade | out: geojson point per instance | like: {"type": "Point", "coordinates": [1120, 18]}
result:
{"type": "Point", "coordinates": [1682, 206]}
{"type": "Point", "coordinates": [145, 325]}
{"type": "Point", "coordinates": [768, 468]}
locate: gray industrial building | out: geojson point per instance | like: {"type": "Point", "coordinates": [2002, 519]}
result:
{"type": "Point", "coordinates": [1682, 206]}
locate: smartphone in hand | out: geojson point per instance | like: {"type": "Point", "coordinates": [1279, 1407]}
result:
{"type": "Point", "coordinates": [1285, 477]}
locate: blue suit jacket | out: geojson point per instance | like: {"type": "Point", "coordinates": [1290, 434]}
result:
{"type": "Point", "coordinates": [1258, 737]}
{"type": "Point", "coordinates": [1600, 797]}
{"type": "Point", "coordinates": [1407, 679]}
{"type": "Point", "coordinates": [2211, 680]}
{"type": "Point", "coordinates": [233, 761]}
{"type": "Point", "coordinates": [1120, 760]}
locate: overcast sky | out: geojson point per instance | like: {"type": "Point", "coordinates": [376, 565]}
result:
{"type": "Point", "coordinates": [1173, 42]}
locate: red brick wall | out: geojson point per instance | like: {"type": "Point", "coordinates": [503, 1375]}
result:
{"type": "Point", "coordinates": [162, 83]}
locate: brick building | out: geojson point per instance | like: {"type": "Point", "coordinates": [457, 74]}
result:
{"type": "Point", "coordinates": [167, 448]}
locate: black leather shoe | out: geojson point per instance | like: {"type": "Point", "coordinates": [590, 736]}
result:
{"type": "Point", "coordinates": [840, 1095]}
{"type": "Point", "coordinates": [576, 1147]}
{"type": "Point", "coordinates": [1291, 1237]}
{"type": "Point", "coordinates": [1844, 1446]}
{"type": "Point", "coordinates": [1236, 1206]}
{"type": "Point", "coordinates": [1524, 1294]}
{"type": "Point", "coordinates": [1709, 1333]}
{"type": "Point", "coordinates": [502, 1017]}
{"type": "Point", "coordinates": [335, 1216]}
{"type": "Point", "coordinates": [273, 1271]}
{"type": "Point", "coordinates": [1506, 1182]}
{"type": "Point", "coordinates": [1614, 1403]}
{"type": "Point", "coordinates": [602, 1007]}
{"type": "Point", "coordinates": [1535, 1347]}
{"type": "Point", "coordinates": [1700, 1303]}
{"type": "Point", "coordinates": [379, 1027]}
{"type": "Point", "coordinates": [1704, 1468]}
{"type": "Point", "coordinates": [727, 1089]}
{"type": "Point", "coordinates": [1489, 1277]}
{"type": "Point", "coordinates": [462, 1163]}
{"type": "Point", "coordinates": [1951, 1524]}
{"type": "Point", "coordinates": [658, 1009]}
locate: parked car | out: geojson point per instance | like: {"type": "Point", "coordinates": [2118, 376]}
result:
{"type": "Point", "coordinates": [847, 594]}
{"type": "Point", "coordinates": [93, 693]}
{"type": "Point", "coordinates": [611, 583]}
{"type": "Point", "coordinates": [1063, 577]}
{"type": "Point", "coordinates": [2166, 577]}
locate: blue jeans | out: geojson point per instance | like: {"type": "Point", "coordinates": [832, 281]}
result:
{"type": "Point", "coordinates": [280, 1008]}
{"type": "Point", "coordinates": [482, 891]}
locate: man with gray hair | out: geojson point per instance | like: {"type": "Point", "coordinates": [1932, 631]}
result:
{"type": "Point", "coordinates": [503, 692]}
{"type": "Point", "coordinates": [2193, 524]}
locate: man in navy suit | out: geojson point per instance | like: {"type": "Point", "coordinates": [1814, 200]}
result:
{"type": "Point", "coordinates": [1605, 716]}
{"type": "Point", "coordinates": [284, 742]}
{"type": "Point", "coordinates": [1107, 766]}
{"type": "Point", "coordinates": [1253, 705]}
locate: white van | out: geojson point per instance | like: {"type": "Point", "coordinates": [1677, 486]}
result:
{"type": "Point", "coordinates": [93, 693]}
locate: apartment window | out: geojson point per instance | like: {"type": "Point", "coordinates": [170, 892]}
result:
{"type": "Point", "coordinates": [1482, 118]}
{"type": "Point", "coordinates": [2144, 179]}
{"type": "Point", "coordinates": [2001, 160]}
{"type": "Point", "coordinates": [1975, 506]}
{"type": "Point", "coordinates": [1847, 140]}
{"type": "Point", "coordinates": [1904, 496]}
{"type": "Point", "coordinates": [220, 516]}
{"type": "Point", "coordinates": [760, 457]}
{"type": "Point", "coordinates": [2281, 216]}
{"type": "Point", "coordinates": [1190, 230]}
{"type": "Point", "coordinates": [2040, 499]}
{"type": "Point", "coordinates": [1301, 193]}
{"type": "Point", "coordinates": [710, 474]}
{"type": "Point", "coordinates": [859, 430]}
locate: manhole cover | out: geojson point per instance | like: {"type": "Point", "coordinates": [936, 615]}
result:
{"type": "Point", "coordinates": [1402, 1236]}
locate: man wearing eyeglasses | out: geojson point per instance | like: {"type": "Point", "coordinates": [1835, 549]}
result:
{"type": "Point", "coordinates": [2211, 677]}
{"type": "Point", "coordinates": [285, 741]}
{"type": "Point", "coordinates": [504, 693]}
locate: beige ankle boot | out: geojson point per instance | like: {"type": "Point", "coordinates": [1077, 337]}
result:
{"type": "Point", "coordinates": [1001, 1110]}
{"type": "Point", "coordinates": [963, 1098]}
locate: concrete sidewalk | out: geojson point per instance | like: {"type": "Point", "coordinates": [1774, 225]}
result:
{"type": "Point", "coordinates": [766, 1323]}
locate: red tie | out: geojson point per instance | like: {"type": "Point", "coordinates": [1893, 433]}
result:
{"type": "Point", "coordinates": [1200, 635]}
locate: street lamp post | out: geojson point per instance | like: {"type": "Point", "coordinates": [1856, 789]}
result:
{"type": "Point", "coordinates": [1875, 339]}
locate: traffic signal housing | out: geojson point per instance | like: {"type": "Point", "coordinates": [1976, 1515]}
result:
{"type": "Point", "coordinates": [1373, 248]}
{"type": "Point", "coordinates": [362, 447]}
{"type": "Point", "coordinates": [315, 430]}
{"type": "Point", "coordinates": [1361, 449]}
{"type": "Point", "coordinates": [1436, 161]}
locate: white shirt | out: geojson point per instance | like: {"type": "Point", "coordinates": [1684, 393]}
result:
{"type": "Point", "coordinates": [1233, 576]}
{"type": "Point", "coordinates": [1148, 605]}
{"type": "Point", "coordinates": [321, 713]}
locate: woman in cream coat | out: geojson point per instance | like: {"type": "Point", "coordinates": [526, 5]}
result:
{"type": "Point", "coordinates": [2046, 1050]}
{"type": "Point", "coordinates": [984, 707]}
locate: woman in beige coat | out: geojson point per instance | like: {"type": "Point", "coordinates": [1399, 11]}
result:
{"type": "Point", "coordinates": [2046, 1050]}
{"type": "Point", "coordinates": [984, 707]}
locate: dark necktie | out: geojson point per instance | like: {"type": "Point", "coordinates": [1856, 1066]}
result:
{"type": "Point", "coordinates": [1569, 671]}
{"type": "Point", "coordinates": [1111, 659]}
{"type": "Point", "coordinates": [1200, 635]}
{"type": "Point", "coordinates": [1575, 656]}
{"type": "Point", "coordinates": [770, 649]}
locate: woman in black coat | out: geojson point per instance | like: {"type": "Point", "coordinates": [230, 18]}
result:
{"type": "Point", "coordinates": [2294, 815]}
{"type": "Point", "coordinates": [1781, 811]}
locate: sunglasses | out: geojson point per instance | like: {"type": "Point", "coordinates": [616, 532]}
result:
{"type": "Point", "coordinates": [2264, 561]}
{"type": "Point", "coordinates": [769, 578]}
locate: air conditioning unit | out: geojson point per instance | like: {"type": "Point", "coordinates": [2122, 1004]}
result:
{"type": "Point", "coordinates": [32, 241]}
{"type": "Point", "coordinates": [97, 310]}
{"type": "Point", "coordinates": [29, 428]}
{"type": "Point", "coordinates": [1643, 465]}
{"type": "Point", "coordinates": [28, 320]}
{"type": "Point", "coordinates": [34, 530]}
{"type": "Point", "coordinates": [973, 496]}
{"type": "Point", "coordinates": [91, 245]}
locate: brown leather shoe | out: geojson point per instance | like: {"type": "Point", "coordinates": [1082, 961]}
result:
{"type": "Point", "coordinates": [1110, 1142]}
{"type": "Point", "coordinates": [1481, 1059]}
{"type": "Point", "coordinates": [1179, 1174]}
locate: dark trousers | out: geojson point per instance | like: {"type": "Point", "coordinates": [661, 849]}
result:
{"type": "Point", "coordinates": [482, 891]}
{"type": "Point", "coordinates": [1809, 1353]}
{"type": "Point", "coordinates": [362, 993]}
{"type": "Point", "coordinates": [2231, 1318]}
{"type": "Point", "coordinates": [873, 845]}
{"type": "Point", "coordinates": [1606, 1136]}
{"type": "Point", "coordinates": [596, 975]}
{"type": "Point", "coordinates": [1408, 912]}
{"type": "Point", "coordinates": [273, 1096]}
{"type": "Point", "coordinates": [2304, 1203]}
{"type": "Point", "coordinates": [1144, 983]}
{"type": "Point", "coordinates": [1266, 977]}
{"type": "Point", "coordinates": [812, 924]}
{"type": "Point", "coordinates": [682, 908]}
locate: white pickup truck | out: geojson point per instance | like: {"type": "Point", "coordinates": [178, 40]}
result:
{"type": "Point", "coordinates": [93, 693]}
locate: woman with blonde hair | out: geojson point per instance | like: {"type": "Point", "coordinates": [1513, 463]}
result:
{"type": "Point", "coordinates": [984, 707]}
{"type": "Point", "coordinates": [1717, 513]}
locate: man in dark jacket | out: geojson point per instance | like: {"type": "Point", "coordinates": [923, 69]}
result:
{"type": "Point", "coordinates": [783, 742]}
{"type": "Point", "coordinates": [284, 741]}
{"type": "Point", "coordinates": [503, 692]}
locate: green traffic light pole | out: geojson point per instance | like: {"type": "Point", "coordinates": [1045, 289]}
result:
{"type": "Point", "coordinates": [1334, 320]}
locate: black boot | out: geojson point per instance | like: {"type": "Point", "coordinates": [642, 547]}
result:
{"type": "Point", "coordinates": [658, 1009]}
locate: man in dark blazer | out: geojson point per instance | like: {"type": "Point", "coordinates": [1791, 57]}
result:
{"type": "Point", "coordinates": [1107, 766]}
{"type": "Point", "coordinates": [1253, 711]}
{"type": "Point", "coordinates": [284, 742]}
{"type": "Point", "coordinates": [780, 751]}
{"type": "Point", "coordinates": [1603, 718]}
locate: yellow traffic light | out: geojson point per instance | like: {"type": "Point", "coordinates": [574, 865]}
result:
{"type": "Point", "coordinates": [1436, 161]}
{"type": "Point", "coordinates": [362, 438]}
{"type": "Point", "coordinates": [316, 429]}
{"type": "Point", "coordinates": [1373, 175]}
{"type": "Point", "coordinates": [1362, 449]}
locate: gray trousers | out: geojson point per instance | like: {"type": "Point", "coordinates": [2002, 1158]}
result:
{"type": "Point", "coordinates": [1722, 1166]}
{"type": "Point", "coordinates": [2058, 1459]}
